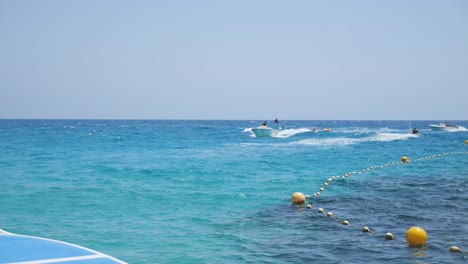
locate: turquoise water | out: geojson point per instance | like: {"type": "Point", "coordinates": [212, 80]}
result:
{"type": "Point", "coordinates": [211, 192]}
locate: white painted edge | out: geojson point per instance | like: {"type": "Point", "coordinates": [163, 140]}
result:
{"type": "Point", "coordinates": [3, 232]}
{"type": "Point", "coordinates": [56, 260]}
{"type": "Point", "coordinates": [98, 254]}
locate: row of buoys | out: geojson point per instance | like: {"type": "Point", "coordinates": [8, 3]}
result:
{"type": "Point", "coordinates": [404, 160]}
{"type": "Point", "coordinates": [415, 236]}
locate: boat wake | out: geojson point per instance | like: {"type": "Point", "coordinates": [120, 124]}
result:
{"type": "Point", "coordinates": [343, 141]}
{"type": "Point", "coordinates": [460, 129]}
{"type": "Point", "coordinates": [281, 133]}
{"type": "Point", "coordinates": [291, 132]}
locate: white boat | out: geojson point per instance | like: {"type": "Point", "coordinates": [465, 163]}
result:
{"type": "Point", "coordinates": [21, 249]}
{"type": "Point", "coordinates": [444, 127]}
{"type": "Point", "coordinates": [264, 131]}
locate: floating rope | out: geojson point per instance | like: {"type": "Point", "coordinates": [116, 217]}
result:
{"type": "Point", "coordinates": [410, 236]}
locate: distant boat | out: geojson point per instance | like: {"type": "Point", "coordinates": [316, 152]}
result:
{"type": "Point", "coordinates": [29, 249]}
{"type": "Point", "coordinates": [322, 130]}
{"type": "Point", "coordinates": [444, 127]}
{"type": "Point", "coordinates": [264, 131]}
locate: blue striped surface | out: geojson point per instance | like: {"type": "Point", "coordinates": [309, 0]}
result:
{"type": "Point", "coordinates": [19, 249]}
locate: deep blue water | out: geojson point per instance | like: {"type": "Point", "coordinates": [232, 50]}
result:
{"type": "Point", "coordinates": [210, 192]}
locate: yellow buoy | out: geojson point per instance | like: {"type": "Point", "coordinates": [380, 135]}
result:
{"type": "Point", "coordinates": [298, 198]}
{"type": "Point", "coordinates": [466, 141]}
{"type": "Point", "coordinates": [416, 236]}
{"type": "Point", "coordinates": [404, 159]}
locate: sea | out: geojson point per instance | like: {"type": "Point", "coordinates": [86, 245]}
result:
{"type": "Point", "coordinates": [209, 191]}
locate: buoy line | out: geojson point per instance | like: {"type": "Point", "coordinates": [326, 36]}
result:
{"type": "Point", "coordinates": [415, 236]}
{"type": "Point", "coordinates": [404, 160]}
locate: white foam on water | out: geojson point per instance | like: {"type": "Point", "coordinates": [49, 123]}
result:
{"type": "Point", "coordinates": [291, 132]}
{"type": "Point", "coordinates": [460, 129]}
{"type": "Point", "coordinates": [364, 130]}
{"type": "Point", "coordinates": [392, 137]}
{"type": "Point", "coordinates": [282, 133]}
{"type": "Point", "coordinates": [343, 141]}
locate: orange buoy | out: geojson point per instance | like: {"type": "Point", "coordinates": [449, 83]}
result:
{"type": "Point", "coordinates": [298, 198]}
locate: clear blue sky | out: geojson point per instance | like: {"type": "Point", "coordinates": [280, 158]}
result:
{"type": "Point", "coordinates": [308, 59]}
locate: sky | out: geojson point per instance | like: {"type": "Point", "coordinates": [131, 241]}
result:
{"type": "Point", "coordinates": [234, 60]}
